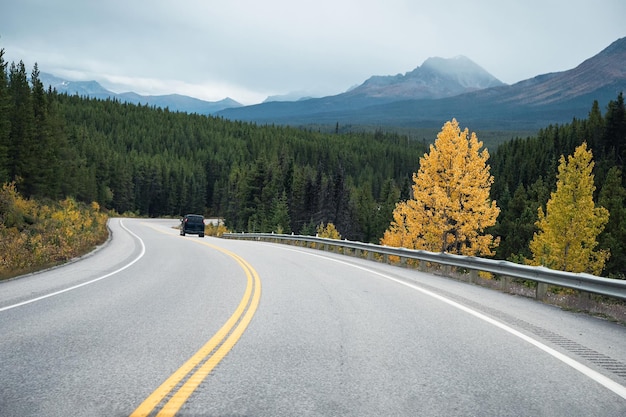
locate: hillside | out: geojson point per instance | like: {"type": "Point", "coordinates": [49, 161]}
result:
{"type": "Point", "coordinates": [390, 101]}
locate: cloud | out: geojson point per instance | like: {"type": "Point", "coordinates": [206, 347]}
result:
{"type": "Point", "coordinates": [248, 49]}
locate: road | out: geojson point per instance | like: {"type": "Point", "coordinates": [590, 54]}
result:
{"type": "Point", "coordinates": [154, 322]}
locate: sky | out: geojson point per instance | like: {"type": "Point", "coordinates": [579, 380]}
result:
{"type": "Point", "coordinates": [251, 49]}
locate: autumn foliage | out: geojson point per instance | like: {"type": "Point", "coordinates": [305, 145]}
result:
{"type": "Point", "coordinates": [215, 230]}
{"type": "Point", "coordinates": [328, 231]}
{"type": "Point", "coordinates": [568, 231]}
{"type": "Point", "coordinates": [35, 235]}
{"type": "Point", "coordinates": [450, 208]}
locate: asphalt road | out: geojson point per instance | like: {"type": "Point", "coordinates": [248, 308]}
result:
{"type": "Point", "coordinates": [158, 323]}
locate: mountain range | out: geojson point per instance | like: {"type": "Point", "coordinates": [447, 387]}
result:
{"type": "Point", "coordinates": [174, 102]}
{"type": "Point", "coordinates": [427, 96]}
{"type": "Point", "coordinates": [445, 88]}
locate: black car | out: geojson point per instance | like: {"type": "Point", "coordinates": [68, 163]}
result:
{"type": "Point", "coordinates": [193, 224]}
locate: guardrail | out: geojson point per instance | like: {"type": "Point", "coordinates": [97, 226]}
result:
{"type": "Point", "coordinates": [543, 276]}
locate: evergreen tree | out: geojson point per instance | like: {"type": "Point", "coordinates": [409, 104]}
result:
{"type": "Point", "coordinates": [365, 211]}
{"type": "Point", "coordinates": [450, 208]}
{"type": "Point", "coordinates": [568, 230]}
{"type": "Point", "coordinates": [22, 157]}
{"type": "Point", "coordinates": [516, 226]}
{"type": "Point", "coordinates": [594, 129]}
{"type": "Point", "coordinates": [5, 122]}
{"type": "Point", "coordinates": [390, 194]}
{"type": "Point", "coordinates": [39, 179]}
{"type": "Point", "coordinates": [280, 218]}
{"type": "Point", "coordinates": [615, 130]}
{"type": "Point", "coordinates": [613, 198]}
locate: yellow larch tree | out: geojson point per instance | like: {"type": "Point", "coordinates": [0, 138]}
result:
{"type": "Point", "coordinates": [568, 230]}
{"type": "Point", "coordinates": [450, 208]}
{"type": "Point", "coordinates": [328, 231]}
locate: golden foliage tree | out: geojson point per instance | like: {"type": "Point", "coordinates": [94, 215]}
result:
{"type": "Point", "coordinates": [569, 228]}
{"type": "Point", "coordinates": [328, 231]}
{"type": "Point", "coordinates": [451, 207]}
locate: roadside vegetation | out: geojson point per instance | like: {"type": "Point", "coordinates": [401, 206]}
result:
{"type": "Point", "coordinates": [215, 230]}
{"type": "Point", "coordinates": [34, 235]}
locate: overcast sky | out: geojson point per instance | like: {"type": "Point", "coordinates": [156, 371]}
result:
{"type": "Point", "coordinates": [251, 49]}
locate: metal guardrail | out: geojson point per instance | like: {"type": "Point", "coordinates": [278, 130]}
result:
{"type": "Point", "coordinates": [543, 276]}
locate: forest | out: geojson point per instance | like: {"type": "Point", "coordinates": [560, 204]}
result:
{"type": "Point", "coordinates": [153, 162]}
{"type": "Point", "coordinates": [147, 161]}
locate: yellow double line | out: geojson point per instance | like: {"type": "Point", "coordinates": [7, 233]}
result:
{"type": "Point", "coordinates": [200, 365]}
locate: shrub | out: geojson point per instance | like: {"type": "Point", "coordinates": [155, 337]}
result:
{"type": "Point", "coordinates": [34, 236]}
{"type": "Point", "coordinates": [213, 230]}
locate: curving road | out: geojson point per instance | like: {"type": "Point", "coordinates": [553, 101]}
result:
{"type": "Point", "coordinates": [155, 323]}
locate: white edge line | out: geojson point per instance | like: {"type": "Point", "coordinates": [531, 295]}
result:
{"type": "Point", "coordinates": [143, 251]}
{"type": "Point", "coordinates": [585, 370]}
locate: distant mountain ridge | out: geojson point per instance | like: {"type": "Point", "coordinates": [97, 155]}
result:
{"type": "Point", "coordinates": [174, 102]}
{"type": "Point", "coordinates": [436, 78]}
{"type": "Point", "coordinates": [596, 73]}
{"type": "Point", "coordinates": [427, 97]}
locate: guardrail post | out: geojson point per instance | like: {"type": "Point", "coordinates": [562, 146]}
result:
{"type": "Point", "coordinates": [473, 276]}
{"type": "Point", "coordinates": [542, 290]}
{"type": "Point", "coordinates": [505, 282]}
{"type": "Point", "coordinates": [585, 299]}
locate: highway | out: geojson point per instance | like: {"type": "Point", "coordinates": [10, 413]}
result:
{"type": "Point", "coordinates": [154, 323]}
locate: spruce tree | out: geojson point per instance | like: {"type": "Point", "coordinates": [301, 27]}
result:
{"type": "Point", "coordinates": [613, 196]}
{"type": "Point", "coordinates": [5, 123]}
{"type": "Point", "coordinates": [21, 143]}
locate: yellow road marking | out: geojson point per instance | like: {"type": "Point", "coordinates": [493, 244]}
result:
{"type": "Point", "coordinates": [242, 315]}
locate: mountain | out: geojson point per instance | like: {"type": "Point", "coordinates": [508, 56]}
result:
{"type": "Point", "coordinates": [595, 74]}
{"type": "Point", "coordinates": [442, 89]}
{"type": "Point", "coordinates": [81, 88]}
{"type": "Point", "coordinates": [177, 102]}
{"type": "Point", "coordinates": [293, 96]}
{"type": "Point", "coordinates": [436, 78]}
{"type": "Point", "coordinates": [174, 102]}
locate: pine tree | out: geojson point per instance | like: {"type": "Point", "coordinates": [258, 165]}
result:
{"type": "Point", "coordinates": [39, 179]}
{"type": "Point", "coordinates": [450, 208]}
{"type": "Point", "coordinates": [615, 129]}
{"type": "Point", "coordinates": [21, 155]}
{"type": "Point", "coordinates": [571, 224]}
{"type": "Point", "coordinates": [281, 223]}
{"type": "Point", "coordinates": [5, 122]}
{"type": "Point", "coordinates": [613, 196]}
{"type": "Point", "coordinates": [516, 226]}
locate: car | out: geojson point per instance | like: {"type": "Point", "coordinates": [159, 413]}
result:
{"type": "Point", "coordinates": [192, 224]}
